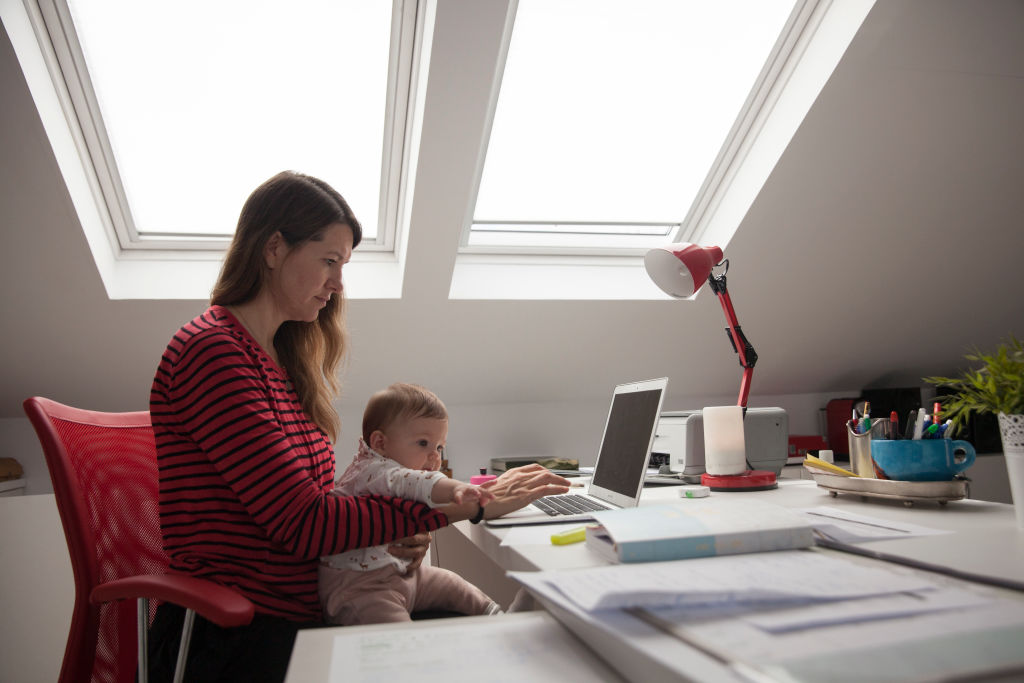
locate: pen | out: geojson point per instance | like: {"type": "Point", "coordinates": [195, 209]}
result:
{"type": "Point", "coordinates": [865, 425]}
{"type": "Point", "coordinates": [865, 422]}
{"type": "Point", "coordinates": [894, 425]}
{"type": "Point", "coordinates": [935, 412]}
{"type": "Point", "coordinates": [911, 421]}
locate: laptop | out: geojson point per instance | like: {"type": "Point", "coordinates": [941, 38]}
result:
{"type": "Point", "coordinates": [621, 461]}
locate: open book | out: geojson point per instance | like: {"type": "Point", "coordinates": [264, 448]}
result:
{"type": "Point", "coordinates": [696, 528]}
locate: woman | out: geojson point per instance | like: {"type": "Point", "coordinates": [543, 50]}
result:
{"type": "Point", "coordinates": [242, 411]}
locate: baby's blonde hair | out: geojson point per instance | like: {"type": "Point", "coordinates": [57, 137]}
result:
{"type": "Point", "coordinates": [399, 402]}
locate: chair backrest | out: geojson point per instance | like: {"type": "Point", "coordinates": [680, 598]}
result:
{"type": "Point", "coordinates": [105, 481]}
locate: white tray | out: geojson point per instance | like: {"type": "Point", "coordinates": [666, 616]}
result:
{"type": "Point", "coordinates": [909, 492]}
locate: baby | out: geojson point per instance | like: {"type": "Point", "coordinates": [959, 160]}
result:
{"type": "Point", "coordinates": [404, 432]}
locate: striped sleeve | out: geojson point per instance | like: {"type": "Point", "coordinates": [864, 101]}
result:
{"type": "Point", "coordinates": [221, 400]}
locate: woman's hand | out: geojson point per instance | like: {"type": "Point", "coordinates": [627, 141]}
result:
{"type": "Point", "coordinates": [520, 486]}
{"type": "Point", "coordinates": [413, 548]}
{"type": "Point", "coordinates": [514, 489]}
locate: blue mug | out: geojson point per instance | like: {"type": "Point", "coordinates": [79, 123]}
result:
{"type": "Point", "coordinates": [921, 459]}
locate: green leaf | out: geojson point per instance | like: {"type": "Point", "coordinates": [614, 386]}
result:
{"type": "Point", "coordinates": [997, 386]}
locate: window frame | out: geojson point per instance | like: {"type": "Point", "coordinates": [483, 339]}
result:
{"type": "Point", "coordinates": [765, 91]}
{"type": "Point", "coordinates": [55, 33]}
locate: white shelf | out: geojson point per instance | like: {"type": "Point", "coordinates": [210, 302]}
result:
{"type": "Point", "coordinates": [12, 487]}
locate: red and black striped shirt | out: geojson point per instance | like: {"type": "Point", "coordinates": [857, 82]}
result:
{"type": "Point", "coordinates": [245, 475]}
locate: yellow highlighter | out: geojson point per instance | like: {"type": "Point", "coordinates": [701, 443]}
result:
{"type": "Point", "coordinates": [569, 536]}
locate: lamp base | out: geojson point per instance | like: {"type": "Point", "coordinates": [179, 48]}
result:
{"type": "Point", "coordinates": [751, 480]}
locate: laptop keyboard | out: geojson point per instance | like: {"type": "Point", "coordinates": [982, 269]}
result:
{"type": "Point", "coordinates": [568, 504]}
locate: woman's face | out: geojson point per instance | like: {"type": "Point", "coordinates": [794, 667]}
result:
{"type": "Point", "coordinates": [304, 277]}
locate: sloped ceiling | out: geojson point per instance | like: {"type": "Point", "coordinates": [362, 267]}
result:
{"type": "Point", "coordinates": [886, 242]}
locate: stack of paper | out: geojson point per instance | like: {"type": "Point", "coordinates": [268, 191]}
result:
{"type": "Point", "coordinates": [756, 579]}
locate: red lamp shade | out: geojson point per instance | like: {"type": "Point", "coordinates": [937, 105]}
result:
{"type": "Point", "coordinates": [681, 269]}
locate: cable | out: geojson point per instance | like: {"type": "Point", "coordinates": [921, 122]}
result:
{"type": "Point", "coordinates": [918, 564]}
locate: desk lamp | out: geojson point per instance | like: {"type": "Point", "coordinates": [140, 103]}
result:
{"type": "Point", "coordinates": [680, 270]}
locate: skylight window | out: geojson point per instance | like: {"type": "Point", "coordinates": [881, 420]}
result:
{"type": "Point", "coordinates": [186, 107]}
{"type": "Point", "coordinates": [610, 117]}
{"type": "Point", "coordinates": [548, 127]}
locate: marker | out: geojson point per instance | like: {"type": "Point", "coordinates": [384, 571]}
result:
{"type": "Point", "coordinates": [569, 536]}
{"type": "Point", "coordinates": [894, 425]}
{"type": "Point", "coordinates": [932, 430]}
{"type": "Point", "coordinates": [935, 412]}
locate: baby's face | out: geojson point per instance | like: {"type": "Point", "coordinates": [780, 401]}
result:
{"type": "Point", "coordinates": [416, 444]}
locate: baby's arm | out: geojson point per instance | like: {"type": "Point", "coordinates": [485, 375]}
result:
{"type": "Point", "coordinates": [433, 488]}
{"type": "Point", "coordinates": [453, 491]}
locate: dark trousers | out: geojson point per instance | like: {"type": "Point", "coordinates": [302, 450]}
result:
{"type": "Point", "coordinates": [258, 652]}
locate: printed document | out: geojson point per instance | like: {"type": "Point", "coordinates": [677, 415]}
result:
{"type": "Point", "coordinates": [793, 576]}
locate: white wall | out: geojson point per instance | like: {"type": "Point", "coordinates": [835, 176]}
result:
{"type": "Point", "coordinates": [563, 429]}
{"type": "Point", "coordinates": [884, 245]}
{"type": "Point", "coordinates": [477, 433]}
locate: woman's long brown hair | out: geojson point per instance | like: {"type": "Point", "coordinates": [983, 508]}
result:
{"type": "Point", "coordinates": [300, 207]}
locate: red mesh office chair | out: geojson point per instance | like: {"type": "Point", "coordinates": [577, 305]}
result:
{"type": "Point", "coordinates": [103, 467]}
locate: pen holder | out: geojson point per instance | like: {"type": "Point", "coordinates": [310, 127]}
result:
{"type": "Point", "coordinates": [860, 449]}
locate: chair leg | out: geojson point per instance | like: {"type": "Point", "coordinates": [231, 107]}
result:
{"type": "Point", "coordinates": [186, 637]}
{"type": "Point", "coordinates": [143, 630]}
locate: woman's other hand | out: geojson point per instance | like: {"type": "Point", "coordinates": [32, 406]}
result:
{"type": "Point", "coordinates": [413, 548]}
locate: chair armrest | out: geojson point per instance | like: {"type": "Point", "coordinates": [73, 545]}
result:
{"type": "Point", "coordinates": [220, 604]}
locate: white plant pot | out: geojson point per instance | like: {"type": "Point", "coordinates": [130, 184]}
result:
{"type": "Point", "coordinates": [1011, 429]}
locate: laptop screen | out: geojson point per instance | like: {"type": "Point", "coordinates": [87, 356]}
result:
{"type": "Point", "coordinates": [622, 462]}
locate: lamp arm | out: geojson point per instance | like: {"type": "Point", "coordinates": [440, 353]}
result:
{"type": "Point", "coordinates": [740, 344]}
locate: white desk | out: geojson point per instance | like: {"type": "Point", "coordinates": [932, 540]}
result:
{"type": "Point", "coordinates": [985, 540]}
{"type": "Point", "coordinates": [527, 646]}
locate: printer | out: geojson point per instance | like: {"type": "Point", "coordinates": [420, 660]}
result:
{"type": "Point", "coordinates": [680, 437]}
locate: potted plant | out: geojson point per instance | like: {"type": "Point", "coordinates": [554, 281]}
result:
{"type": "Point", "coordinates": [997, 386]}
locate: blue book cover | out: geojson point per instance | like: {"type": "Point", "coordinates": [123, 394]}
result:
{"type": "Point", "coordinates": [697, 528]}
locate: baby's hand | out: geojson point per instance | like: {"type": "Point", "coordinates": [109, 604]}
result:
{"type": "Point", "coordinates": [465, 493]}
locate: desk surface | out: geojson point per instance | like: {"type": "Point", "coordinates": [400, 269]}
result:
{"type": "Point", "coordinates": [984, 540]}
{"type": "Point", "coordinates": [448, 650]}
